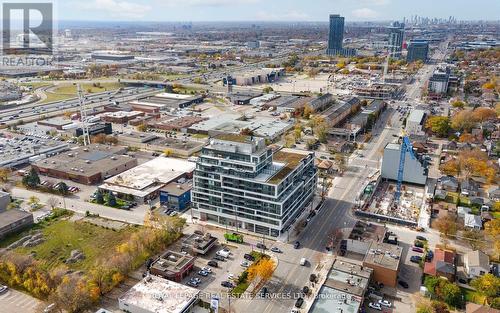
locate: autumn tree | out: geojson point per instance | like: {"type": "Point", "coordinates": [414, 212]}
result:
{"type": "Point", "coordinates": [466, 137]}
{"type": "Point", "coordinates": [463, 121]}
{"type": "Point", "coordinates": [447, 226]}
{"type": "Point", "coordinates": [492, 229]}
{"type": "Point", "coordinates": [458, 104]}
{"type": "Point", "coordinates": [168, 152]}
{"type": "Point", "coordinates": [308, 110]}
{"type": "Point", "coordinates": [142, 127]}
{"type": "Point", "coordinates": [488, 285]}
{"type": "Point", "coordinates": [297, 131]}
{"type": "Point", "coordinates": [5, 175]}
{"type": "Point", "coordinates": [289, 140]}
{"type": "Point", "coordinates": [263, 270]}
{"type": "Point", "coordinates": [439, 125]}
{"type": "Point", "coordinates": [483, 114]}
{"type": "Point", "coordinates": [475, 238]}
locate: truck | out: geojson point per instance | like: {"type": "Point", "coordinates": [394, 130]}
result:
{"type": "Point", "coordinates": [234, 237]}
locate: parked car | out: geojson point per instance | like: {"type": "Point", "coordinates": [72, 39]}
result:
{"type": "Point", "coordinates": [303, 261]}
{"type": "Point", "coordinates": [305, 290]}
{"type": "Point", "coordinates": [296, 245]}
{"type": "Point", "coordinates": [403, 284]}
{"type": "Point", "coordinates": [276, 249]}
{"type": "Point", "coordinates": [299, 302]}
{"type": "Point", "coordinates": [213, 263]}
{"type": "Point", "coordinates": [192, 283]}
{"type": "Point", "coordinates": [415, 259]}
{"type": "Point", "coordinates": [245, 263]}
{"type": "Point", "coordinates": [230, 276]}
{"type": "Point", "coordinates": [418, 244]}
{"type": "Point", "coordinates": [248, 257]}
{"type": "Point", "coordinates": [429, 256]}
{"type": "Point", "coordinates": [227, 284]}
{"type": "Point", "coordinates": [375, 306]}
{"type": "Point", "coordinates": [195, 279]}
{"type": "Point", "coordinates": [49, 308]}
{"type": "Point", "coordinates": [220, 258]}
{"type": "Point", "coordinates": [206, 269]}
{"type": "Point", "coordinates": [421, 238]}
{"type": "Point", "coordinates": [385, 303]}
{"type": "Point", "coordinates": [417, 249]}
{"type": "Point", "coordinates": [261, 246]}
{"type": "Point", "coordinates": [203, 273]}
{"type": "Point", "coordinates": [3, 289]}
{"type": "Point", "coordinates": [264, 291]}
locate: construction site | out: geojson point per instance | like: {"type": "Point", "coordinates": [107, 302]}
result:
{"type": "Point", "coordinates": [398, 194]}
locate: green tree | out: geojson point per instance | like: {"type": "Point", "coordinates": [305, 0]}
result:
{"type": "Point", "coordinates": [31, 180]}
{"type": "Point", "coordinates": [439, 125]}
{"type": "Point", "coordinates": [111, 199]}
{"type": "Point", "coordinates": [451, 294]}
{"type": "Point", "coordinates": [458, 104]}
{"type": "Point", "coordinates": [267, 89]}
{"type": "Point", "coordinates": [62, 188]}
{"type": "Point", "coordinates": [99, 198]}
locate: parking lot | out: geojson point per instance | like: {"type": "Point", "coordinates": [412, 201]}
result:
{"type": "Point", "coordinates": [15, 301]}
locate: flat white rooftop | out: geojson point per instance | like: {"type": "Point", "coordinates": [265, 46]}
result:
{"type": "Point", "coordinates": [158, 295]}
{"type": "Point", "coordinates": [160, 169]}
{"type": "Point", "coordinates": [175, 96]}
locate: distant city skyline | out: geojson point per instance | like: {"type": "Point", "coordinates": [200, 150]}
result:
{"type": "Point", "coordinates": [277, 10]}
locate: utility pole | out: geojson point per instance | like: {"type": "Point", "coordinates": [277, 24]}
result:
{"type": "Point", "coordinates": [83, 116]}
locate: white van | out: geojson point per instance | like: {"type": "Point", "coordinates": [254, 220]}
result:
{"type": "Point", "coordinates": [303, 261]}
{"type": "Point", "coordinates": [222, 253]}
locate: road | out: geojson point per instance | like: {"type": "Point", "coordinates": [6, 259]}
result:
{"type": "Point", "coordinates": [93, 101]}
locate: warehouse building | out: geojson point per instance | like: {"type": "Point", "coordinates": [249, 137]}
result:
{"type": "Point", "coordinates": [145, 181]}
{"type": "Point", "coordinates": [12, 221]}
{"type": "Point", "coordinates": [86, 165]}
{"type": "Point", "coordinates": [165, 101]}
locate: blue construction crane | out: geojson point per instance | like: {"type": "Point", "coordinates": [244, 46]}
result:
{"type": "Point", "coordinates": [405, 147]}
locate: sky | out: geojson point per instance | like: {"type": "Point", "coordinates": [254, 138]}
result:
{"type": "Point", "coordinates": [273, 10]}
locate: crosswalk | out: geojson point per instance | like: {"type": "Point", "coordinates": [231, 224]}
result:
{"type": "Point", "coordinates": [15, 301]}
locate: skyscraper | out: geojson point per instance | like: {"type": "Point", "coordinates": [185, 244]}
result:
{"type": "Point", "coordinates": [396, 35]}
{"type": "Point", "coordinates": [335, 35]}
{"type": "Point", "coordinates": [418, 49]}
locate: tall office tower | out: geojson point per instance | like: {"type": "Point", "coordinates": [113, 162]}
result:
{"type": "Point", "coordinates": [396, 35]}
{"type": "Point", "coordinates": [335, 35]}
{"type": "Point", "coordinates": [240, 182]}
{"type": "Point", "coordinates": [418, 49]}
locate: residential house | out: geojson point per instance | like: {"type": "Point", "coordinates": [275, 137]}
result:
{"type": "Point", "coordinates": [448, 183]}
{"type": "Point", "coordinates": [476, 263]}
{"type": "Point", "coordinates": [462, 210]}
{"type": "Point", "coordinates": [473, 221]}
{"type": "Point", "coordinates": [469, 188]}
{"type": "Point", "coordinates": [442, 265]}
{"type": "Point", "coordinates": [494, 193]}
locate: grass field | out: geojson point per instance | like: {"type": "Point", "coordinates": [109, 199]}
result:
{"type": "Point", "coordinates": [63, 92]}
{"type": "Point", "coordinates": [63, 236]}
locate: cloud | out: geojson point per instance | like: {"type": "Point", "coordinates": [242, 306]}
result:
{"type": "Point", "coordinates": [287, 16]}
{"type": "Point", "coordinates": [205, 3]}
{"type": "Point", "coordinates": [365, 13]}
{"type": "Point", "coordinates": [117, 9]}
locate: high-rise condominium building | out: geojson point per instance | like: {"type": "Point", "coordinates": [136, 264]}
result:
{"type": "Point", "coordinates": [417, 50]}
{"type": "Point", "coordinates": [335, 34]}
{"type": "Point", "coordinates": [396, 35]}
{"type": "Point", "coordinates": [242, 183]}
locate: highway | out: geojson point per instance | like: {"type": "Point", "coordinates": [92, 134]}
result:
{"type": "Point", "coordinates": [33, 111]}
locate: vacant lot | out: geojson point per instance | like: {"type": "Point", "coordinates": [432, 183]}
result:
{"type": "Point", "coordinates": [64, 236]}
{"type": "Point", "coordinates": [67, 91]}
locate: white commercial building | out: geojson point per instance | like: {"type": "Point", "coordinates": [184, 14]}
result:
{"type": "Point", "coordinates": [158, 295]}
{"type": "Point", "coordinates": [415, 122]}
{"type": "Point", "coordinates": [144, 182]}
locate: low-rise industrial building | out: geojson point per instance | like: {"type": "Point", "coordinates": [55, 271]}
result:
{"type": "Point", "coordinates": [157, 295]}
{"type": "Point", "coordinates": [181, 147]}
{"type": "Point", "coordinates": [200, 244]}
{"type": "Point", "coordinates": [377, 91]}
{"type": "Point", "coordinates": [262, 76]}
{"type": "Point", "coordinates": [165, 101]}
{"type": "Point", "coordinates": [176, 196]}
{"type": "Point", "coordinates": [145, 181]}
{"type": "Point", "coordinates": [384, 259]}
{"type": "Point", "coordinates": [415, 122]}
{"type": "Point", "coordinates": [172, 265]}
{"type": "Point", "coordinates": [86, 165]}
{"type": "Point", "coordinates": [13, 221]}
